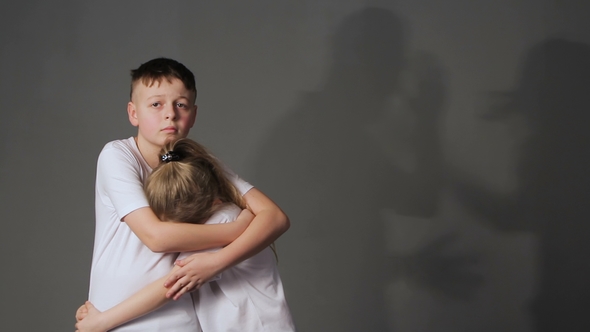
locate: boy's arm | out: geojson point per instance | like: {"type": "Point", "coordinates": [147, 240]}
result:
{"type": "Point", "coordinates": [119, 183]}
{"type": "Point", "coordinates": [148, 299]}
{"type": "Point", "coordinates": [179, 237]}
{"type": "Point", "coordinates": [269, 223]}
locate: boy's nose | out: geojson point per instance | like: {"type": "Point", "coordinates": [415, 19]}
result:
{"type": "Point", "coordinates": [170, 113]}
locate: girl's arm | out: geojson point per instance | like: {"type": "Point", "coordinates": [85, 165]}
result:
{"type": "Point", "coordinates": [269, 223]}
{"type": "Point", "coordinates": [148, 299]}
{"type": "Point", "coordinates": [161, 236]}
{"type": "Point", "coordinates": [145, 301]}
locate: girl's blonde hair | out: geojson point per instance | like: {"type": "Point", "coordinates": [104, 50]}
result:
{"type": "Point", "coordinates": [187, 183]}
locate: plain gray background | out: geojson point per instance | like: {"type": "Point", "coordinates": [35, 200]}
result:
{"type": "Point", "coordinates": [365, 120]}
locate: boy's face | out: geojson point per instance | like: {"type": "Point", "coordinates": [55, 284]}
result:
{"type": "Point", "coordinates": [162, 112]}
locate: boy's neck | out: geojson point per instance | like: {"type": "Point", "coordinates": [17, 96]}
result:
{"type": "Point", "coordinates": [148, 152]}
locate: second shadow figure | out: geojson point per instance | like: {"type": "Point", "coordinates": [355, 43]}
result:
{"type": "Point", "coordinates": [553, 182]}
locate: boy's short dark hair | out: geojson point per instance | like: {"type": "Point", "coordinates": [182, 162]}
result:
{"type": "Point", "coordinates": [158, 69]}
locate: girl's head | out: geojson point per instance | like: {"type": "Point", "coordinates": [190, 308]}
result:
{"type": "Point", "coordinates": [188, 183]}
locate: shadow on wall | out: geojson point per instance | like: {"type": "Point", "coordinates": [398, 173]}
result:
{"type": "Point", "coordinates": [552, 107]}
{"type": "Point", "coordinates": [327, 168]}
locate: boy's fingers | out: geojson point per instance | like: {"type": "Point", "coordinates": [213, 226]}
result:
{"type": "Point", "coordinates": [183, 285]}
{"type": "Point", "coordinates": [183, 262]}
{"type": "Point", "coordinates": [178, 284]}
{"type": "Point", "coordinates": [185, 289]}
{"type": "Point", "coordinates": [171, 280]}
{"type": "Point", "coordinates": [192, 286]}
{"type": "Point", "coordinates": [179, 293]}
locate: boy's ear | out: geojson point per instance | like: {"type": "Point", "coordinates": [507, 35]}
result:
{"type": "Point", "coordinates": [132, 112]}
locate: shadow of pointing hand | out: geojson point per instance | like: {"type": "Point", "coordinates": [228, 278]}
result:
{"type": "Point", "coordinates": [443, 270]}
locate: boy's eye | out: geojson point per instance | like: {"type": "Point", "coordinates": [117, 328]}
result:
{"type": "Point", "coordinates": [156, 104]}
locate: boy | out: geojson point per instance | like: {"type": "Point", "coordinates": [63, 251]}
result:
{"type": "Point", "coordinates": [131, 244]}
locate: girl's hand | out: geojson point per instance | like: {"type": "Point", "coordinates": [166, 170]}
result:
{"type": "Point", "coordinates": [92, 321]}
{"type": "Point", "coordinates": [194, 272]}
{"type": "Point", "coordinates": [81, 312]}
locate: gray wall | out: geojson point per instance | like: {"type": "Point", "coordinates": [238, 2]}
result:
{"type": "Point", "coordinates": [418, 201]}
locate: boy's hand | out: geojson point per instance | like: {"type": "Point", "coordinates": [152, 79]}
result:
{"type": "Point", "coordinates": [81, 312]}
{"type": "Point", "coordinates": [91, 322]}
{"type": "Point", "coordinates": [195, 271]}
{"type": "Point", "coordinates": [199, 268]}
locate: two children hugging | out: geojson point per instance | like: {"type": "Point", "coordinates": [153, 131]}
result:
{"type": "Point", "coordinates": [135, 251]}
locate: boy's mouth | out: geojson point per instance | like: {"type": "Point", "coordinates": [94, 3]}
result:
{"type": "Point", "coordinates": [169, 129]}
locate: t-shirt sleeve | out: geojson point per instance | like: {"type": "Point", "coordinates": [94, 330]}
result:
{"type": "Point", "coordinates": [119, 181]}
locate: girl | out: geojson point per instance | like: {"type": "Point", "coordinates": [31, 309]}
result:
{"type": "Point", "coordinates": [189, 184]}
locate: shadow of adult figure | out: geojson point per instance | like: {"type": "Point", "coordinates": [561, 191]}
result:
{"type": "Point", "coordinates": [554, 186]}
{"type": "Point", "coordinates": [322, 164]}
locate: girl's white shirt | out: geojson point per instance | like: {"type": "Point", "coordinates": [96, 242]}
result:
{"type": "Point", "coordinates": [246, 297]}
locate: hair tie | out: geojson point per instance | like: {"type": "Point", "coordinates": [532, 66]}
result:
{"type": "Point", "coordinates": [170, 156]}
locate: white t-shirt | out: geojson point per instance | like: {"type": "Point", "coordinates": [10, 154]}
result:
{"type": "Point", "coordinates": [248, 296]}
{"type": "Point", "coordinates": [121, 263]}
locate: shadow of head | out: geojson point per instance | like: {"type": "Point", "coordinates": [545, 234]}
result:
{"type": "Point", "coordinates": [368, 47]}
